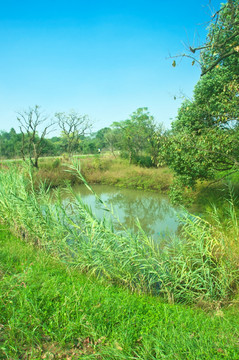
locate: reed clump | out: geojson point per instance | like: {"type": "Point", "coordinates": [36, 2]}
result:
{"type": "Point", "coordinates": [197, 266]}
{"type": "Point", "coordinates": [104, 169]}
{"type": "Point", "coordinates": [118, 172]}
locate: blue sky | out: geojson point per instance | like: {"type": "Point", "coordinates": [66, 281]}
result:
{"type": "Point", "coordinates": [101, 58]}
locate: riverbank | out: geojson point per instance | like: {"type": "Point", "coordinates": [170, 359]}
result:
{"type": "Point", "coordinates": [179, 268]}
{"type": "Point", "coordinates": [106, 170]}
{"type": "Point", "coordinates": [50, 310]}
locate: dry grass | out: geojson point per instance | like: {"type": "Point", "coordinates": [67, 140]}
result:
{"type": "Point", "coordinates": [118, 172]}
{"type": "Point", "coordinates": [100, 169]}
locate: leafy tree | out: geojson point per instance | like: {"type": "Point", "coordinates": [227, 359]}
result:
{"type": "Point", "coordinates": [135, 133]}
{"type": "Point", "coordinates": [100, 140]}
{"type": "Point", "coordinates": [7, 144]}
{"type": "Point", "coordinates": [55, 147]}
{"type": "Point", "coordinates": [111, 140]}
{"type": "Point", "coordinates": [221, 45]}
{"type": "Point", "coordinates": [204, 142]}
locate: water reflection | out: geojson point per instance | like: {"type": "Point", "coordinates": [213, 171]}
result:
{"type": "Point", "coordinates": [156, 215]}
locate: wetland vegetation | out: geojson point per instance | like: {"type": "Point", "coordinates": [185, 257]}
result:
{"type": "Point", "coordinates": [65, 287]}
{"type": "Point", "coordinates": [74, 285]}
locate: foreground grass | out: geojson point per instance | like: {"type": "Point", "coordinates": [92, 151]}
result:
{"type": "Point", "coordinates": [200, 265]}
{"type": "Point", "coordinates": [49, 310]}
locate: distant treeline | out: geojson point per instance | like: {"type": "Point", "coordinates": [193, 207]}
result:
{"type": "Point", "coordinates": [11, 144]}
{"type": "Point", "coordinates": [136, 138]}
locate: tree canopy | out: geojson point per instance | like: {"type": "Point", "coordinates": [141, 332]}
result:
{"type": "Point", "coordinates": [204, 142]}
{"type": "Point", "coordinates": [136, 135]}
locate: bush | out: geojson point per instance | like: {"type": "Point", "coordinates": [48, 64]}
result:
{"type": "Point", "coordinates": [143, 161]}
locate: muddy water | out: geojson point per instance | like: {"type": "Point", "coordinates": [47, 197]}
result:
{"type": "Point", "coordinates": [157, 216]}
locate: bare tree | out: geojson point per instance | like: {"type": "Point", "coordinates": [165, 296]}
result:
{"type": "Point", "coordinates": [73, 126]}
{"type": "Point", "coordinates": [32, 140]}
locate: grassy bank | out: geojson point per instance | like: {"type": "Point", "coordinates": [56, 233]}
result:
{"type": "Point", "coordinates": [105, 169]}
{"type": "Point", "coordinates": [49, 310]}
{"type": "Point", "coordinates": [200, 266]}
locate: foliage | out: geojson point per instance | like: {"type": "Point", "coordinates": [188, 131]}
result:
{"type": "Point", "coordinates": [111, 140]}
{"type": "Point", "coordinates": [136, 136]}
{"type": "Point", "coordinates": [221, 46]}
{"type": "Point", "coordinates": [100, 138]}
{"type": "Point", "coordinates": [204, 142]}
{"type": "Point", "coordinates": [10, 144]}
{"type": "Point", "coordinates": [49, 310]}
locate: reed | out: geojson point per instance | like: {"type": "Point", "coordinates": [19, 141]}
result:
{"type": "Point", "coordinates": [49, 310]}
{"type": "Point", "coordinates": [195, 267]}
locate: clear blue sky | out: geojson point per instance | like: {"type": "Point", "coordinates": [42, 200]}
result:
{"type": "Point", "coordinates": [101, 58]}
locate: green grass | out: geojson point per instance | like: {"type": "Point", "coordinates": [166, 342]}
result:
{"type": "Point", "coordinates": [49, 310]}
{"type": "Point", "coordinates": [104, 169]}
{"type": "Point", "coordinates": [201, 265]}
{"type": "Point", "coordinates": [118, 172]}
{"type": "Point", "coordinates": [207, 194]}
{"type": "Point", "coordinates": [100, 169]}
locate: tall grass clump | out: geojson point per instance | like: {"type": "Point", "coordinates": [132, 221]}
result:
{"type": "Point", "coordinates": [198, 266]}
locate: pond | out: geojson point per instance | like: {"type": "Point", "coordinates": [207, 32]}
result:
{"type": "Point", "coordinates": [155, 213]}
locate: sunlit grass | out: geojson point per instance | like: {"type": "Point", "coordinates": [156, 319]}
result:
{"type": "Point", "coordinates": [105, 169]}
{"type": "Point", "coordinates": [51, 311]}
{"type": "Point", "coordinates": [120, 173]}
{"type": "Point", "coordinates": [194, 268]}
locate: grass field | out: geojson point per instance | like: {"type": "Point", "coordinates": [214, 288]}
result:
{"type": "Point", "coordinates": [51, 311]}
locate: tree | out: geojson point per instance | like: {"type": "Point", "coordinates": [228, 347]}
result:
{"type": "Point", "coordinates": [204, 142]}
{"type": "Point", "coordinates": [111, 140]}
{"type": "Point", "coordinates": [135, 133]}
{"type": "Point", "coordinates": [31, 121]}
{"type": "Point", "coordinates": [10, 144]}
{"type": "Point", "coordinates": [73, 126]}
{"type": "Point", "coordinates": [221, 46]}
{"type": "Point", "coordinates": [99, 136]}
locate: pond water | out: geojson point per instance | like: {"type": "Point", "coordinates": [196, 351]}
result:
{"type": "Point", "coordinates": [156, 215]}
